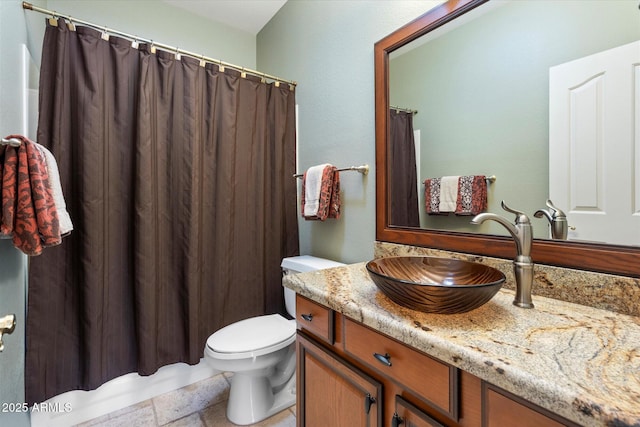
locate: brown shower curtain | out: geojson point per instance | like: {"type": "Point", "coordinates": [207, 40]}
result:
{"type": "Point", "coordinates": [404, 179]}
{"type": "Point", "coordinates": [178, 179]}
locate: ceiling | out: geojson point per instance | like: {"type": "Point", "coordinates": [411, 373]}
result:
{"type": "Point", "coordinates": [245, 15]}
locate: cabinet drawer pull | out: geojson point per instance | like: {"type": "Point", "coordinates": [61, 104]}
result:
{"type": "Point", "coordinates": [396, 420]}
{"type": "Point", "coordinates": [368, 401]}
{"type": "Point", "coordinates": [307, 317]}
{"type": "Point", "coordinates": [386, 359]}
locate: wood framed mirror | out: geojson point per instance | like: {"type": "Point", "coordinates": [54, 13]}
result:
{"type": "Point", "coordinates": [607, 258]}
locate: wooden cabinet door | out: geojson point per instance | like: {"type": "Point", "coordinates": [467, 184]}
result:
{"type": "Point", "coordinates": [501, 408]}
{"type": "Point", "coordinates": [332, 392]}
{"type": "Point", "coordinates": [408, 415]}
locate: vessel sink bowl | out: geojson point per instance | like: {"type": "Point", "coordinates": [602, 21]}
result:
{"type": "Point", "coordinates": [435, 285]}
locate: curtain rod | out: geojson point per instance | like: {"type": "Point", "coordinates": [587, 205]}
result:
{"type": "Point", "coordinates": [406, 110]}
{"type": "Point", "coordinates": [29, 6]}
{"type": "Point", "coordinates": [363, 169]}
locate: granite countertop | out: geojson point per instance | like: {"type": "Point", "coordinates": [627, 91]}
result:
{"type": "Point", "coordinates": [580, 362]}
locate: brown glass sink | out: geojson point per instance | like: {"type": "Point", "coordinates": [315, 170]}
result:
{"type": "Point", "coordinates": [435, 285]}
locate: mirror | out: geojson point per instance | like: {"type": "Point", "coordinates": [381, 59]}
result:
{"type": "Point", "coordinates": [497, 122]}
{"type": "Point", "coordinates": [589, 256]}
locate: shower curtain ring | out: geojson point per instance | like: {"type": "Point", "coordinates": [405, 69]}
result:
{"type": "Point", "coordinates": [53, 21]}
{"type": "Point", "coordinates": [243, 74]}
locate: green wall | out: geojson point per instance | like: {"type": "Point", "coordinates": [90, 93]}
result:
{"type": "Point", "coordinates": [327, 47]}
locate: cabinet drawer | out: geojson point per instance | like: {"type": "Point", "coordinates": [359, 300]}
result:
{"type": "Point", "coordinates": [501, 408]}
{"type": "Point", "coordinates": [432, 380]}
{"type": "Point", "coordinates": [315, 318]}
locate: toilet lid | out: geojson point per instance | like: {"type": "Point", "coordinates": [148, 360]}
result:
{"type": "Point", "coordinates": [252, 334]}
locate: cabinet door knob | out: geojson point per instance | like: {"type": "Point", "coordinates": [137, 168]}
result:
{"type": "Point", "coordinates": [396, 420]}
{"type": "Point", "coordinates": [307, 317]}
{"type": "Point", "coordinates": [385, 360]}
{"type": "Point", "coordinates": [368, 401]}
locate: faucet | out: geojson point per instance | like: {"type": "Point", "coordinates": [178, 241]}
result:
{"type": "Point", "coordinates": [557, 219]}
{"type": "Point", "coordinates": [522, 233]}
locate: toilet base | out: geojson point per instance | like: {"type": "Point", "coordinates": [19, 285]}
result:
{"type": "Point", "coordinates": [251, 399]}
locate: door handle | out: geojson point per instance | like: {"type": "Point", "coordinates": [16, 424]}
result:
{"type": "Point", "coordinates": [384, 359]}
{"type": "Point", "coordinates": [368, 401]}
{"type": "Point", "coordinates": [7, 326]}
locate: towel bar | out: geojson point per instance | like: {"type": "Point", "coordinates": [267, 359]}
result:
{"type": "Point", "coordinates": [13, 142]}
{"type": "Point", "coordinates": [363, 169]}
{"type": "Point", "coordinates": [490, 179]}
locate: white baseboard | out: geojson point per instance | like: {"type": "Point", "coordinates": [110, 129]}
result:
{"type": "Point", "coordinates": [75, 407]}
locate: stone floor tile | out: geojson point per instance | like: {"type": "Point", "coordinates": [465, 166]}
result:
{"type": "Point", "coordinates": [215, 416]}
{"type": "Point", "coordinates": [142, 409]}
{"type": "Point", "coordinates": [192, 420]}
{"type": "Point", "coordinates": [285, 418]}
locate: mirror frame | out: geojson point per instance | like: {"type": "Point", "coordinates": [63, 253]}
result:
{"type": "Point", "coordinates": [614, 259]}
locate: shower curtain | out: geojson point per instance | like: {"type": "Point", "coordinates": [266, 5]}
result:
{"type": "Point", "coordinates": [178, 179]}
{"type": "Point", "coordinates": [403, 179]}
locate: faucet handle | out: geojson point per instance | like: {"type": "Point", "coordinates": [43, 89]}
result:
{"type": "Point", "coordinates": [521, 217]}
{"type": "Point", "coordinates": [552, 214]}
{"type": "Point", "coordinates": [556, 212]}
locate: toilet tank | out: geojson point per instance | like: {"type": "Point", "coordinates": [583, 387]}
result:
{"type": "Point", "coordinates": [302, 264]}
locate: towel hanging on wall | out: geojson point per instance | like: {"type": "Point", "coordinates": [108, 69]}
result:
{"type": "Point", "coordinates": [30, 213]}
{"type": "Point", "coordinates": [462, 195]}
{"type": "Point", "coordinates": [320, 198]}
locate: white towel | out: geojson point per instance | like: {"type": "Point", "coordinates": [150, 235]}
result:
{"type": "Point", "coordinates": [448, 193]}
{"type": "Point", "coordinates": [56, 189]}
{"type": "Point", "coordinates": [313, 184]}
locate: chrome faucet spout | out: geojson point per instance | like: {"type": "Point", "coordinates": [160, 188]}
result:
{"type": "Point", "coordinates": [488, 216]}
{"type": "Point", "coordinates": [522, 234]}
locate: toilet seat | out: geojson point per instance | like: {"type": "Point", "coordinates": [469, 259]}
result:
{"type": "Point", "coordinates": [252, 337]}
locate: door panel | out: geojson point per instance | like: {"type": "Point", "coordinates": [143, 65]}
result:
{"type": "Point", "coordinates": [594, 144]}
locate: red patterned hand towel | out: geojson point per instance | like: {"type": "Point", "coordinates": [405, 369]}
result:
{"type": "Point", "coordinates": [329, 195]}
{"type": "Point", "coordinates": [9, 188]}
{"type": "Point", "coordinates": [472, 195]}
{"type": "Point", "coordinates": [432, 196]}
{"type": "Point", "coordinates": [28, 199]}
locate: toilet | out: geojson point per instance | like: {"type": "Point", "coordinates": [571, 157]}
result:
{"type": "Point", "coordinates": [261, 354]}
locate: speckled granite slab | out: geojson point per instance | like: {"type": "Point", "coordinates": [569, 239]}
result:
{"type": "Point", "coordinates": [580, 362]}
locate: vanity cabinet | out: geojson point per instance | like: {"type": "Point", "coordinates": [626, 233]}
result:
{"type": "Point", "coordinates": [332, 392]}
{"type": "Point", "coordinates": [350, 375]}
{"type": "Point", "coordinates": [501, 408]}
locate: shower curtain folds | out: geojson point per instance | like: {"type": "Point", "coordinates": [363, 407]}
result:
{"type": "Point", "coordinates": [403, 179]}
{"type": "Point", "coordinates": [177, 178]}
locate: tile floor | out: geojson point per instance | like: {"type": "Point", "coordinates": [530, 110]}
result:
{"type": "Point", "coordinates": [202, 404]}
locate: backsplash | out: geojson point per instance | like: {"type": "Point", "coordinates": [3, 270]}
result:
{"type": "Point", "coordinates": [605, 291]}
